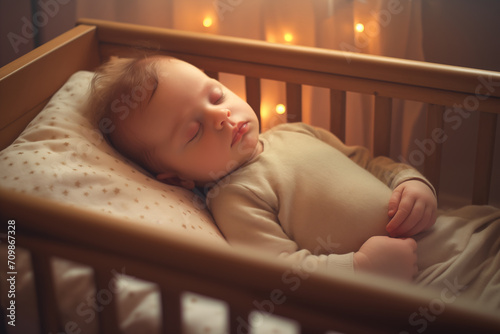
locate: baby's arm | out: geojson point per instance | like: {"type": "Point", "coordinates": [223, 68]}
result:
{"type": "Point", "coordinates": [413, 206]}
{"type": "Point", "coordinates": [247, 221]}
{"type": "Point", "coordinates": [412, 209]}
{"type": "Point", "coordinates": [388, 256]}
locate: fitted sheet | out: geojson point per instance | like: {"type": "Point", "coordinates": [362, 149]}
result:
{"type": "Point", "coordinates": [459, 257]}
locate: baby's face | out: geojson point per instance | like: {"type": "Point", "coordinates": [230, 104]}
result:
{"type": "Point", "coordinates": [195, 128]}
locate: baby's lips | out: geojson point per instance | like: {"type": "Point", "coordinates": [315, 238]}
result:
{"type": "Point", "coordinates": [239, 130]}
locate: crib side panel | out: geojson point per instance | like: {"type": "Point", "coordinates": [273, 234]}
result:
{"type": "Point", "coordinates": [148, 39]}
{"type": "Point", "coordinates": [27, 83]}
{"type": "Point", "coordinates": [228, 276]}
{"type": "Point", "coordinates": [297, 75]}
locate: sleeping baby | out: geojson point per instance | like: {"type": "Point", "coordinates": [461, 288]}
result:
{"type": "Point", "coordinates": [296, 191]}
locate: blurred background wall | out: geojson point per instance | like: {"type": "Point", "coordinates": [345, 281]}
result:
{"type": "Point", "coordinates": [458, 32]}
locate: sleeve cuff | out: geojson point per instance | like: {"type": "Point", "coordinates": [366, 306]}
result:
{"type": "Point", "coordinates": [344, 262]}
{"type": "Point", "coordinates": [409, 174]}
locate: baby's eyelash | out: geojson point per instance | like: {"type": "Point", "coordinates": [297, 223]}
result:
{"type": "Point", "coordinates": [196, 134]}
{"type": "Point", "coordinates": [222, 97]}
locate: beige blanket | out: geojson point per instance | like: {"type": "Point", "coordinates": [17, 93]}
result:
{"type": "Point", "coordinates": [460, 256]}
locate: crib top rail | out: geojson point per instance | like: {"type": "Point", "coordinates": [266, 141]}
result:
{"type": "Point", "coordinates": [439, 84]}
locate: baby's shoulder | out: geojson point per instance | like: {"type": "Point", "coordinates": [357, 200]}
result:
{"type": "Point", "coordinates": [296, 127]}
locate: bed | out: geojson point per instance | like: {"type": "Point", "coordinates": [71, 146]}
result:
{"type": "Point", "coordinates": [93, 244]}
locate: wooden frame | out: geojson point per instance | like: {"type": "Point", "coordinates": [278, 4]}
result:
{"type": "Point", "coordinates": [363, 304]}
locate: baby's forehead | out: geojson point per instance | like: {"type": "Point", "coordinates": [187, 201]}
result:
{"type": "Point", "coordinates": [177, 69]}
{"type": "Point", "coordinates": [179, 81]}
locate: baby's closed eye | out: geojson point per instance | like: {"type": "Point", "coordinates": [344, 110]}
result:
{"type": "Point", "coordinates": [217, 96]}
{"type": "Point", "coordinates": [192, 131]}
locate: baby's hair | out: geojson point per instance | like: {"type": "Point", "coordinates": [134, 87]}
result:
{"type": "Point", "coordinates": [120, 83]}
{"type": "Point", "coordinates": [120, 87]}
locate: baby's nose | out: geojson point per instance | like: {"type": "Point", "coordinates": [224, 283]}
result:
{"type": "Point", "coordinates": [220, 116]}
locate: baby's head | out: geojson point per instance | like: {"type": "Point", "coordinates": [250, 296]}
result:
{"type": "Point", "coordinates": [172, 119]}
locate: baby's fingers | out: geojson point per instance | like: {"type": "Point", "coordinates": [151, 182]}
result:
{"type": "Point", "coordinates": [401, 221]}
{"type": "Point", "coordinates": [426, 221]}
{"type": "Point", "coordinates": [394, 201]}
{"type": "Point", "coordinates": [413, 223]}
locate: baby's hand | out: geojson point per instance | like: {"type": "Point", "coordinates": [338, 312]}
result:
{"type": "Point", "coordinates": [412, 209]}
{"type": "Point", "coordinates": [388, 256]}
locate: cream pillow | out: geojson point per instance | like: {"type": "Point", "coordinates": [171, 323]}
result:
{"type": "Point", "coordinates": [61, 156]}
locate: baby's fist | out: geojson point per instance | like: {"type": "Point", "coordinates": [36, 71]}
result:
{"type": "Point", "coordinates": [412, 209]}
{"type": "Point", "coordinates": [388, 256]}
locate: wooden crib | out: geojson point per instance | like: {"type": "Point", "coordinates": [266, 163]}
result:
{"type": "Point", "coordinates": [323, 302]}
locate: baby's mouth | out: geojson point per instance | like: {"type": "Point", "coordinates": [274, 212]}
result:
{"type": "Point", "coordinates": [239, 130]}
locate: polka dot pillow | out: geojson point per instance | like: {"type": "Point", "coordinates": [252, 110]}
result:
{"type": "Point", "coordinates": [62, 157]}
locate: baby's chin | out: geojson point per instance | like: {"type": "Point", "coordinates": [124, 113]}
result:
{"type": "Point", "coordinates": [249, 153]}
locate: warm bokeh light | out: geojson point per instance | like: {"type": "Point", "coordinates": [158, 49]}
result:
{"type": "Point", "coordinates": [360, 27]}
{"type": "Point", "coordinates": [288, 37]}
{"type": "Point", "coordinates": [207, 22]}
{"type": "Point", "coordinates": [280, 109]}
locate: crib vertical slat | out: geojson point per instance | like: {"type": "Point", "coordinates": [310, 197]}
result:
{"type": "Point", "coordinates": [294, 102]}
{"type": "Point", "coordinates": [484, 157]}
{"type": "Point", "coordinates": [434, 135]}
{"type": "Point", "coordinates": [46, 293]}
{"type": "Point", "coordinates": [382, 126]}
{"type": "Point", "coordinates": [212, 74]}
{"type": "Point", "coordinates": [172, 312]}
{"type": "Point", "coordinates": [253, 93]}
{"type": "Point", "coordinates": [106, 300]}
{"type": "Point", "coordinates": [238, 320]}
{"type": "Point", "coordinates": [338, 113]}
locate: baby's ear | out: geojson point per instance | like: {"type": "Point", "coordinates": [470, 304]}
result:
{"type": "Point", "coordinates": [174, 180]}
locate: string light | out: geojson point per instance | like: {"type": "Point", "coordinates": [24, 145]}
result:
{"type": "Point", "coordinates": [359, 27]}
{"type": "Point", "coordinates": [280, 109]}
{"type": "Point", "coordinates": [288, 37]}
{"type": "Point", "coordinates": [207, 22]}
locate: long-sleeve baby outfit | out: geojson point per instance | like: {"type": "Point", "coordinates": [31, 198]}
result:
{"type": "Point", "coordinates": [307, 197]}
